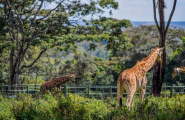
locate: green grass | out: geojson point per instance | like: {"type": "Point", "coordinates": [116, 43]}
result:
{"type": "Point", "coordinates": [75, 107]}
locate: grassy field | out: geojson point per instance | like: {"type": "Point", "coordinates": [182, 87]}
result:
{"type": "Point", "coordinates": [75, 107]}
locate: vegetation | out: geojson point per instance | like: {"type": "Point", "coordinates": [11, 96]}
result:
{"type": "Point", "coordinates": [76, 107]}
{"type": "Point", "coordinates": [54, 43]}
{"type": "Point", "coordinates": [28, 25]}
{"type": "Point", "coordinates": [94, 69]}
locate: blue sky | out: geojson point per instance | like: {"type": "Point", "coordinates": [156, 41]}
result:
{"type": "Point", "coordinates": [142, 10]}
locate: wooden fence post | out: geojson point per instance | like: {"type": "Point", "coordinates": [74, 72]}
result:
{"type": "Point", "coordinates": [27, 89]}
{"type": "Point", "coordinates": [35, 86]}
{"type": "Point", "coordinates": [110, 91]}
{"type": "Point", "coordinates": [171, 91]}
{"type": "Point", "coordinates": [65, 87]}
{"type": "Point", "coordinates": [68, 90]}
{"type": "Point", "coordinates": [35, 89]}
{"type": "Point", "coordinates": [75, 90]}
{"type": "Point", "coordinates": [2, 89]}
{"type": "Point", "coordinates": [22, 89]}
{"type": "Point", "coordinates": [88, 94]}
{"type": "Point", "coordinates": [13, 90]}
{"type": "Point", "coordinates": [8, 90]}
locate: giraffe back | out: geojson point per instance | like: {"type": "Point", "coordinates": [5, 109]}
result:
{"type": "Point", "coordinates": [56, 82]}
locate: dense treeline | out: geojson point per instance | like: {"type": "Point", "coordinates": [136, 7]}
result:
{"type": "Point", "coordinates": [51, 44]}
{"type": "Point", "coordinates": [93, 68]}
{"type": "Point", "coordinates": [29, 29]}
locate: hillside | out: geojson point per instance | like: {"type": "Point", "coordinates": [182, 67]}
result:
{"type": "Point", "coordinates": [101, 51]}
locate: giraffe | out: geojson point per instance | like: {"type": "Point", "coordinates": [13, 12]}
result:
{"type": "Point", "coordinates": [177, 70]}
{"type": "Point", "coordinates": [56, 83]}
{"type": "Point", "coordinates": [134, 79]}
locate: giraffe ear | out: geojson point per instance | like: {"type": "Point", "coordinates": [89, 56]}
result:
{"type": "Point", "coordinates": [152, 49]}
{"type": "Point", "coordinates": [161, 49]}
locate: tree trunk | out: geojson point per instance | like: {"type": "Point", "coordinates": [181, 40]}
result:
{"type": "Point", "coordinates": [159, 68]}
{"type": "Point", "coordinates": [10, 82]}
{"type": "Point", "coordinates": [18, 58]}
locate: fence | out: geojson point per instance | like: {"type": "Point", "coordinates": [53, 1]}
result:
{"type": "Point", "coordinates": [86, 91]}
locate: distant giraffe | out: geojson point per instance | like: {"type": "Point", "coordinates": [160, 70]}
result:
{"type": "Point", "coordinates": [56, 83]}
{"type": "Point", "coordinates": [134, 79]}
{"type": "Point", "coordinates": [177, 70]}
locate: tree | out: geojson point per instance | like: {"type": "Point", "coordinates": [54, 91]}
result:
{"type": "Point", "coordinates": [144, 38]}
{"type": "Point", "coordinates": [159, 68]}
{"type": "Point", "coordinates": [29, 24]}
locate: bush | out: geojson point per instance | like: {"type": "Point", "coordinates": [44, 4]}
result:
{"type": "Point", "coordinates": [79, 108]}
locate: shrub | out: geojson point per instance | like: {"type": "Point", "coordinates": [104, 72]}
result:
{"type": "Point", "coordinates": [79, 108]}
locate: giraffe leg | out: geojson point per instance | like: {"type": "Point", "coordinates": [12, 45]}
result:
{"type": "Point", "coordinates": [133, 100]}
{"type": "Point", "coordinates": [120, 91]}
{"type": "Point", "coordinates": [129, 99]}
{"type": "Point", "coordinates": [43, 89]}
{"type": "Point", "coordinates": [143, 90]}
{"type": "Point", "coordinates": [130, 96]}
{"type": "Point", "coordinates": [58, 90]}
{"type": "Point", "coordinates": [141, 95]}
{"type": "Point", "coordinates": [52, 90]}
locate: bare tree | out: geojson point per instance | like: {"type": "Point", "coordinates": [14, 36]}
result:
{"type": "Point", "coordinates": [159, 68]}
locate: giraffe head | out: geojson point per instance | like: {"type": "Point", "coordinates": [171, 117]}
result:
{"type": "Point", "coordinates": [175, 72]}
{"type": "Point", "coordinates": [160, 54]}
{"type": "Point", "coordinates": [72, 76]}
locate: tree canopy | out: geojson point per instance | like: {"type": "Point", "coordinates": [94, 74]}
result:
{"type": "Point", "coordinates": [30, 24]}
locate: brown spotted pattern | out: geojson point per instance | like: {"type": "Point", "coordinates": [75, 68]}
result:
{"type": "Point", "coordinates": [177, 70]}
{"type": "Point", "coordinates": [56, 83]}
{"type": "Point", "coordinates": [134, 79]}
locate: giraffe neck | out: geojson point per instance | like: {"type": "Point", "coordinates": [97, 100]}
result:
{"type": "Point", "coordinates": [149, 61]}
{"type": "Point", "coordinates": [62, 80]}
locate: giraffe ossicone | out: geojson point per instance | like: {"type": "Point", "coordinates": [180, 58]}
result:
{"type": "Point", "coordinates": [134, 79]}
{"type": "Point", "coordinates": [56, 83]}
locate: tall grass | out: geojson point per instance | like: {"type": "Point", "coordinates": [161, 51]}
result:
{"type": "Point", "coordinates": [75, 107]}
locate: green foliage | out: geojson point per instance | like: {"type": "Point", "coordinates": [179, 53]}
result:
{"type": "Point", "coordinates": [183, 41]}
{"type": "Point", "coordinates": [118, 68]}
{"type": "Point", "coordinates": [116, 39]}
{"type": "Point", "coordinates": [77, 107]}
{"type": "Point", "coordinates": [108, 3]}
{"type": "Point", "coordinates": [68, 110]}
{"type": "Point", "coordinates": [30, 25]}
{"type": "Point", "coordinates": [174, 54]}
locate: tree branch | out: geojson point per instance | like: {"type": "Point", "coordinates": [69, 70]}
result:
{"type": "Point", "coordinates": [51, 11]}
{"type": "Point", "coordinates": [169, 20]}
{"type": "Point", "coordinates": [22, 6]}
{"type": "Point", "coordinates": [19, 18]}
{"type": "Point", "coordinates": [26, 66]}
{"type": "Point", "coordinates": [155, 18]}
{"type": "Point", "coordinates": [36, 13]}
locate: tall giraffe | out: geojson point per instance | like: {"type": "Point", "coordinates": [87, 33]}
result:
{"type": "Point", "coordinates": [56, 83]}
{"type": "Point", "coordinates": [134, 79]}
{"type": "Point", "coordinates": [177, 70]}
